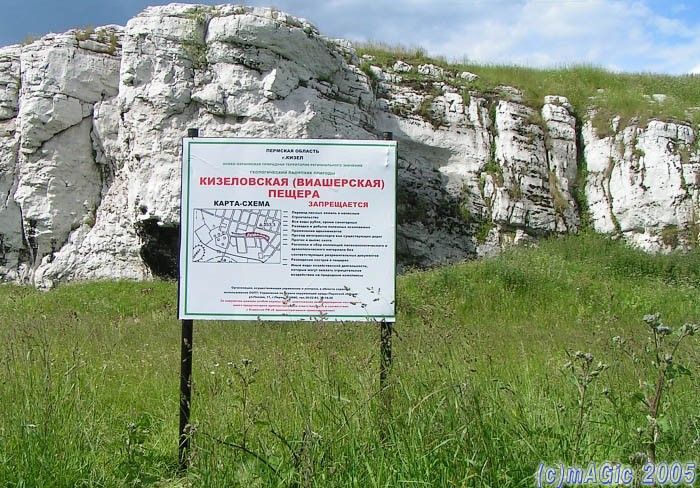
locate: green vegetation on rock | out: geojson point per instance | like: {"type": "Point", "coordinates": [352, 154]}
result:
{"type": "Point", "coordinates": [627, 95]}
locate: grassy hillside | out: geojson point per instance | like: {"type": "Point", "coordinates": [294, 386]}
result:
{"type": "Point", "coordinates": [629, 95]}
{"type": "Point", "coordinates": [481, 390]}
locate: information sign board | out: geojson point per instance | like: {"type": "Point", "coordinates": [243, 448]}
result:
{"type": "Point", "coordinates": [287, 229]}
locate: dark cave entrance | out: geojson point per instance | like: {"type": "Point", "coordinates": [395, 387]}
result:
{"type": "Point", "coordinates": [159, 247]}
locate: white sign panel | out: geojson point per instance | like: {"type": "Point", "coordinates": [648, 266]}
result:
{"type": "Point", "coordinates": [287, 229]}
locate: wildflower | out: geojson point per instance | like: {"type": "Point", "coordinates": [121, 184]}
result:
{"type": "Point", "coordinates": [689, 329]}
{"type": "Point", "coordinates": [663, 330]}
{"type": "Point", "coordinates": [585, 356]}
{"type": "Point", "coordinates": [652, 319]}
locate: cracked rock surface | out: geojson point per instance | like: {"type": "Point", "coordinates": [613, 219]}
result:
{"type": "Point", "coordinates": [91, 122]}
{"type": "Point", "coordinates": [643, 183]}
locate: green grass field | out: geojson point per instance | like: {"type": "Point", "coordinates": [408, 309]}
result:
{"type": "Point", "coordinates": [480, 392]}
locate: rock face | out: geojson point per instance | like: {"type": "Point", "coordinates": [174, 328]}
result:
{"type": "Point", "coordinates": [91, 122]}
{"type": "Point", "coordinates": [11, 234]}
{"type": "Point", "coordinates": [507, 170]}
{"type": "Point", "coordinates": [644, 183]}
{"type": "Point", "coordinates": [49, 173]}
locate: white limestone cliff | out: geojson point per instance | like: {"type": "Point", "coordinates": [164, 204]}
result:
{"type": "Point", "coordinates": [643, 183]}
{"type": "Point", "coordinates": [507, 168]}
{"type": "Point", "coordinates": [11, 235]}
{"type": "Point", "coordinates": [91, 122]}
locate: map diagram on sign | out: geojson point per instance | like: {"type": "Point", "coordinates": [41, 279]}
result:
{"type": "Point", "coordinates": [237, 236]}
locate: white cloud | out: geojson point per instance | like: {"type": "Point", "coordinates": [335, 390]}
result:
{"type": "Point", "coordinates": [627, 34]}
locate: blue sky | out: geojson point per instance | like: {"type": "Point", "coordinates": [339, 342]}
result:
{"type": "Point", "coordinates": [625, 35]}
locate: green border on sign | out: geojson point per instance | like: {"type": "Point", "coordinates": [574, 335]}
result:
{"type": "Point", "coordinates": [191, 141]}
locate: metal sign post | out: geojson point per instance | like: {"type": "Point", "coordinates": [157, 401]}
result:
{"type": "Point", "coordinates": [185, 373]}
{"type": "Point", "coordinates": [185, 392]}
{"type": "Point", "coordinates": [385, 362]}
{"type": "Point", "coordinates": [385, 358]}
